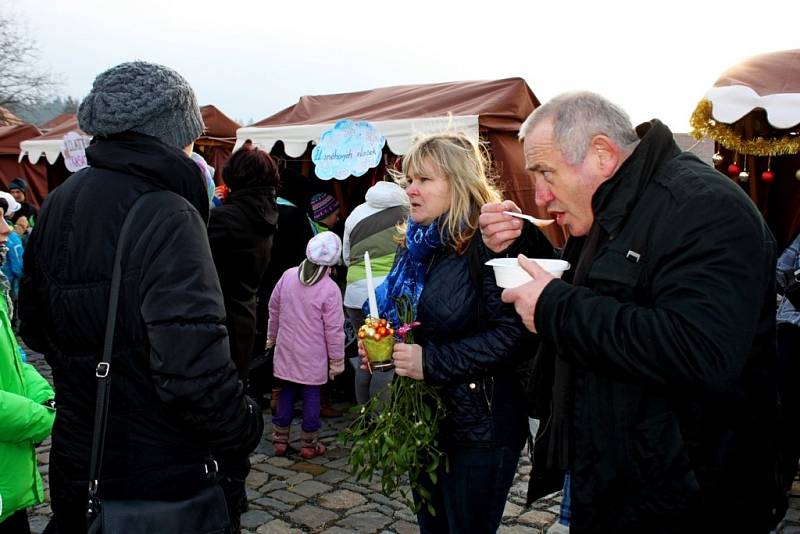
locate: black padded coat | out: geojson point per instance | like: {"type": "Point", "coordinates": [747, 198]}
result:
{"type": "Point", "coordinates": [175, 395]}
{"type": "Point", "coordinates": [241, 233]}
{"type": "Point", "coordinates": [473, 346]}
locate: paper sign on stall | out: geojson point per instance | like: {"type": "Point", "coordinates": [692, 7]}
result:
{"type": "Point", "coordinates": [350, 148]}
{"type": "Point", "coordinates": [74, 151]}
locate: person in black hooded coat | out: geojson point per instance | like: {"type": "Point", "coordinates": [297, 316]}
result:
{"type": "Point", "coordinates": [241, 233]}
{"type": "Point", "coordinates": [175, 397]}
{"type": "Point", "coordinates": [294, 229]}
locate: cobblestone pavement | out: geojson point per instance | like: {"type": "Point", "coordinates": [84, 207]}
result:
{"type": "Point", "coordinates": [290, 495]}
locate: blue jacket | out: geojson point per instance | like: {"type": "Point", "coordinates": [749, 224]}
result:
{"type": "Point", "coordinates": [788, 263]}
{"type": "Point", "coordinates": [12, 267]}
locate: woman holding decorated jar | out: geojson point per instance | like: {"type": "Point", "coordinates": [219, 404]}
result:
{"type": "Point", "coordinates": [468, 343]}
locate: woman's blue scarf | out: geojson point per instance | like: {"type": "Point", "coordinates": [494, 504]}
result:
{"type": "Point", "coordinates": [407, 277]}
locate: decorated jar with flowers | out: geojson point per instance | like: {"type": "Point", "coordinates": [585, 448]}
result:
{"type": "Point", "coordinates": [377, 335]}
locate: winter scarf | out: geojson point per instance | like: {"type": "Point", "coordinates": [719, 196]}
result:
{"type": "Point", "coordinates": [407, 277]}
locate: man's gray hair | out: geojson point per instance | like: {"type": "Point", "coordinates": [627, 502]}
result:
{"type": "Point", "coordinates": [577, 117]}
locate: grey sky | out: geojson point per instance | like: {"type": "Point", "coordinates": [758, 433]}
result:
{"type": "Point", "coordinates": [252, 59]}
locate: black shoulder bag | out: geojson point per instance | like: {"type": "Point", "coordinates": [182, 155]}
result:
{"type": "Point", "coordinates": [203, 513]}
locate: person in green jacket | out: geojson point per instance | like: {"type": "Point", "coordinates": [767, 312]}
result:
{"type": "Point", "coordinates": [26, 416]}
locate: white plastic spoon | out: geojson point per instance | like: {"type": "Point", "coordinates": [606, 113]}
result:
{"type": "Point", "coordinates": [538, 222]}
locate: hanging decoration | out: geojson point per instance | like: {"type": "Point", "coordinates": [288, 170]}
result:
{"type": "Point", "coordinates": [744, 175]}
{"type": "Point", "coordinates": [767, 176]}
{"type": "Point", "coordinates": [733, 168]}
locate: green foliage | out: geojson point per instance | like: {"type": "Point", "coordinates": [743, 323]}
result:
{"type": "Point", "coordinates": [399, 438]}
{"type": "Point", "coordinates": [43, 111]}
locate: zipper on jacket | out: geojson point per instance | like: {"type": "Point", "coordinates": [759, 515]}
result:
{"type": "Point", "coordinates": [489, 397]}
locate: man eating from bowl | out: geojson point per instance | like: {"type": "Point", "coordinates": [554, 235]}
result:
{"type": "Point", "coordinates": [655, 373]}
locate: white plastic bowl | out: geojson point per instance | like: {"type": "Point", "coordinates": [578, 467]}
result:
{"type": "Point", "coordinates": [508, 273]}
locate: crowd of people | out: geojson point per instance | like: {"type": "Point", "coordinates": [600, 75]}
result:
{"type": "Point", "coordinates": [664, 393]}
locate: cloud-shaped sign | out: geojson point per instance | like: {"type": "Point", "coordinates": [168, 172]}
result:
{"type": "Point", "coordinates": [349, 148]}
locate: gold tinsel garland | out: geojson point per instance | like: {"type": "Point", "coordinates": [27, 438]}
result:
{"type": "Point", "coordinates": [703, 125]}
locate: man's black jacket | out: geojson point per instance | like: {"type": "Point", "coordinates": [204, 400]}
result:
{"type": "Point", "coordinates": [673, 346]}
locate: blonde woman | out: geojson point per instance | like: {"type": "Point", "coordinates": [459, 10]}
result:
{"type": "Point", "coordinates": [468, 342]}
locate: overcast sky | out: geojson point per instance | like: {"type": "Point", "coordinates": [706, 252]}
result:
{"type": "Point", "coordinates": [252, 59]}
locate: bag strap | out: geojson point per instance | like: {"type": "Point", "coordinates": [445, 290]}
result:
{"type": "Point", "coordinates": [103, 371]}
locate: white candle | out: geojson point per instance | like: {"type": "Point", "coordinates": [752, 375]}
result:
{"type": "Point", "coordinates": [373, 303]}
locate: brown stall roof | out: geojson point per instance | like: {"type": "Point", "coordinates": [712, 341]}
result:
{"type": "Point", "coordinates": [9, 119]}
{"type": "Point", "coordinates": [58, 120]}
{"type": "Point", "coordinates": [500, 104]}
{"type": "Point", "coordinates": [11, 136]}
{"type": "Point", "coordinates": [218, 125]}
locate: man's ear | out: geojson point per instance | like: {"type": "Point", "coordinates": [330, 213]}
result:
{"type": "Point", "coordinates": [607, 154]}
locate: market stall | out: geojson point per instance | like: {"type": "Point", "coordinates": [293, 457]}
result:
{"type": "Point", "coordinates": [490, 110]}
{"type": "Point", "coordinates": [10, 166]}
{"type": "Point", "coordinates": [216, 143]}
{"type": "Point", "coordinates": [51, 146]}
{"type": "Point", "coordinates": [753, 114]}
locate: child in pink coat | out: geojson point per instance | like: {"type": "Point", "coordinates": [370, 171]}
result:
{"type": "Point", "coordinates": [306, 325]}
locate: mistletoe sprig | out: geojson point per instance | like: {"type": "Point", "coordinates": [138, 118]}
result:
{"type": "Point", "coordinates": [399, 438]}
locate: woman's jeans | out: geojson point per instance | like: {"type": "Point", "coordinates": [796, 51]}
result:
{"type": "Point", "coordinates": [471, 497]}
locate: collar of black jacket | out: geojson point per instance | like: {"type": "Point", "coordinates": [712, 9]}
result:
{"type": "Point", "coordinates": [615, 198]}
{"type": "Point", "coordinates": [258, 204]}
{"type": "Point", "coordinates": [159, 164]}
{"type": "Point", "coordinates": [261, 193]}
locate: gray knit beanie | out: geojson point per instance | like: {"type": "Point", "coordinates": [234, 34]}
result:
{"type": "Point", "coordinates": [145, 98]}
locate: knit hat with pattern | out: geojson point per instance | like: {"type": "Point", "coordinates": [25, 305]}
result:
{"type": "Point", "coordinates": [142, 97]}
{"type": "Point", "coordinates": [323, 205]}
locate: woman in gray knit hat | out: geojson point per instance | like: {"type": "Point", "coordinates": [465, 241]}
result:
{"type": "Point", "coordinates": [176, 401]}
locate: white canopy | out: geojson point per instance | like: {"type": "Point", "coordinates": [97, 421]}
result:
{"type": "Point", "coordinates": [732, 102]}
{"type": "Point", "coordinates": [399, 133]}
{"type": "Point", "coordinates": [35, 149]}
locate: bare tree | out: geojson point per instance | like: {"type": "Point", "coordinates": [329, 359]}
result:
{"type": "Point", "coordinates": [22, 81]}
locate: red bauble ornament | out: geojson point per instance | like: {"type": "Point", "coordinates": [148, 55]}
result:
{"type": "Point", "coordinates": [768, 176]}
{"type": "Point", "coordinates": [734, 170]}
